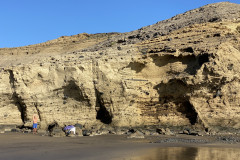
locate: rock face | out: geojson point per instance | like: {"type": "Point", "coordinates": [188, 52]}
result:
{"type": "Point", "coordinates": [177, 76]}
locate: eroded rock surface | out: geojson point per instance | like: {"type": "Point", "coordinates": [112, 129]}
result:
{"type": "Point", "coordinates": [186, 76]}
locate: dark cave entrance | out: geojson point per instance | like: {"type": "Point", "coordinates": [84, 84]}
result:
{"type": "Point", "coordinates": [203, 59]}
{"type": "Point", "coordinates": [52, 126]}
{"type": "Point", "coordinates": [102, 113]}
{"type": "Point", "coordinates": [188, 110]}
{"type": "Point", "coordinates": [104, 116]}
{"type": "Point", "coordinates": [16, 98]}
{"type": "Point", "coordinates": [19, 102]}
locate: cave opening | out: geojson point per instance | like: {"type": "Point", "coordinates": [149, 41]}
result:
{"type": "Point", "coordinates": [16, 99]}
{"type": "Point", "coordinates": [72, 90]}
{"type": "Point", "coordinates": [19, 102]}
{"type": "Point", "coordinates": [188, 110]}
{"type": "Point", "coordinates": [188, 49]}
{"type": "Point", "coordinates": [102, 113]}
{"type": "Point", "coordinates": [52, 126]}
{"type": "Point", "coordinates": [203, 59]}
{"type": "Point", "coordinates": [104, 116]}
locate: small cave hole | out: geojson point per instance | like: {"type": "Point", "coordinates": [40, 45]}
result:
{"type": "Point", "coordinates": [217, 35]}
{"type": "Point", "coordinates": [215, 19]}
{"type": "Point", "coordinates": [19, 102]}
{"type": "Point", "coordinates": [203, 59]}
{"type": "Point", "coordinates": [52, 126]}
{"type": "Point", "coordinates": [131, 130]}
{"type": "Point", "coordinates": [188, 49]}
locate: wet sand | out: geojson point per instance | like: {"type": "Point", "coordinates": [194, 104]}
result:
{"type": "Point", "coordinates": [27, 146]}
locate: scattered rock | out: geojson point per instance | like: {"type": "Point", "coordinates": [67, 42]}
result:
{"type": "Point", "coordinates": [161, 131]}
{"type": "Point", "coordinates": [137, 134]}
{"type": "Point", "coordinates": [112, 132]}
{"type": "Point", "coordinates": [57, 132]}
{"type": "Point", "coordinates": [78, 126]}
{"type": "Point", "coordinates": [186, 131]}
{"type": "Point", "coordinates": [147, 133]}
{"type": "Point", "coordinates": [201, 133]}
{"type": "Point", "coordinates": [26, 130]}
{"type": "Point", "coordinates": [169, 132]}
{"type": "Point", "coordinates": [119, 48]}
{"type": "Point", "coordinates": [79, 131]}
{"type": "Point", "coordinates": [181, 140]}
{"type": "Point", "coordinates": [7, 129]}
{"type": "Point", "coordinates": [103, 132]}
{"type": "Point", "coordinates": [15, 130]}
{"type": "Point", "coordinates": [71, 134]}
{"type": "Point", "coordinates": [86, 132]}
{"type": "Point", "coordinates": [120, 131]}
{"type": "Point", "coordinates": [155, 134]}
{"type": "Point", "coordinates": [130, 131]}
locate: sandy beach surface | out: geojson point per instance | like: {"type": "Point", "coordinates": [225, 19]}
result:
{"type": "Point", "coordinates": [21, 146]}
{"type": "Point", "coordinates": [27, 146]}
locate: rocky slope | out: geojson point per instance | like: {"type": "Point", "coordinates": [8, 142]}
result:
{"type": "Point", "coordinates": [181, 72]}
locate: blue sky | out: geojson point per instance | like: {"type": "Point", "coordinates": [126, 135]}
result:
{"type": "Point", "coordinates": [26, 22]}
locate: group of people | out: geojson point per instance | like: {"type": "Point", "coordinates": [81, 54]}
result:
{"type": "Point", "coordinates": [68, 129]}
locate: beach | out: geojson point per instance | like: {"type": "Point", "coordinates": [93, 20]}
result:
{"type": "Point", "coordinates": [28, 146]}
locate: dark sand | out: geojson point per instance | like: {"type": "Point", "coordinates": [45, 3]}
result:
{"type": "Point", "coordinates": [21, 146]}
{"type": "Point", "coordinates": [27, 146]}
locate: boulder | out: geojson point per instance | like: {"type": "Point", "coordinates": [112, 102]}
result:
{"type": "Point", "coordinates": [71, 134]}
{"type": "Point", "coordinates": [186, 131]}
{"type": "Point", "coordinates": [79, 131]}
{"type": "Point", "coordinates": [161, 130]}
{"type": "Point", "coordinates": [169, 132]}
{"type": "Point", "coordinates": [147, 133]}
{"type": "Point", "coordinates": [57, 132]}
{"type": "Point", "coordinates": [137, 134]}
{"type": "Point", "coordinates": [78, 126]}
{"type": "Point", "coordinates": [86, 132]}
{"type": "Point", "coordinates": [119, 131]}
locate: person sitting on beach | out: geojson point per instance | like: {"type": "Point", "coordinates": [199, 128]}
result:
{"type": "Point", "coordinates": [35, 120]}
{"type": "Point", "coordinates": [70, 128]}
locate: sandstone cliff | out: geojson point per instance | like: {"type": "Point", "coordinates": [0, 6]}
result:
{"type": "Point", "coordinates": [179, 72]}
